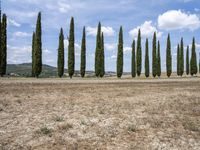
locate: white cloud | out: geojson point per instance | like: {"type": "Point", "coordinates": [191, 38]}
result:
{"type": "Point", "coordinates": [127, 49]}
{"type": "Point", "coordinates": [60, 6]}
{"type": "Point", "coordinates": [107, 31]}
{"type": "Point", "coordinates": [147, 30]}
{"type": "Point", "coordinates": [13, 23]}
{"type": "Point", "coordinates": [110, 46]}
{"type": "Point", "coordinates": [113, 56]}
{"type": "Point", "coordinates": [21, 34]}
{"type": "Point", "coordinates": [176, 19]}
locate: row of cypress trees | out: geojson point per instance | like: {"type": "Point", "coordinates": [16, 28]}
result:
{"type": "Point", "coordinates": [191, 65]}
{"type": "Point", "coordinates": [3, 44]}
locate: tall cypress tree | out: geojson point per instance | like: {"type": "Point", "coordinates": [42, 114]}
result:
{"type": "Point", "coordinates": [38, 47]}
{"type": "Point", "coordinates": [102, 61]}
{"type": "Point", "coordinates": [154, 60]}
{"type": "Point", "coordinates": [33, 54]}
{"type": "Point", "coordinates": [83, 54]}
{"type": "Point", "coordinates": [187, 61]}
{"type": "Point", "coordinates": [158, 61]}
{"type": "Point", "coordinates": [168, 57]}
{"type": "Point", "coordinates": [133, 70]}
{"type": "Point", "coordinates": [1, 51]}
{"type": "Point", "coordinates": [181, 58]}
{"type": "Point", "coordinates": [120, 54]}
{"type": "Point", "coordinates": [3, 45]}
{"type": "Point", "coordinates": [147, 58]}
{"type": "Point", "coordinates": [139, 54]}
{"type": "Point", "coordinates": [193, 61]}
{"type": "Point", "coordinates": [71, 56]}
{"type": "Point", "coordinates": [98, 51]}
{"type": "Point", "coordinates": [61, 60]}
{"type": "Point", "coordinates": [178, 60]}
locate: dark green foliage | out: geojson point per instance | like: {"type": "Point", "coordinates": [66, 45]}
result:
{"type": "Point", "coordinates": [193, 61]}
{"type": "Point", "coordinates": [83, 54]}
{"type": "Point", "coordinates": [178, 60]}
{"type": "Point", "coordinates": [98, 51]}
{"type": "Point", "coordinates": [158, 61]}
{"type": "Point", "coordinates": [139, 54]}
{"type": "Point", "coordinates": [154, 60]}
{"type": "Point", "coordinates": [33, 54]}
{"type": "Point", "coordinates": [102, 61]}
{"type": "Point", "coordinates": [61, 59]}
{"type": "Point", "coordinates": [133, 70]}
{"type": "Point", "coordinates": [120, 54]}
{"type": "Point", "coordinates": [71, 56]}
{"type": "Point", "coordinates": [168, 57]}
{"type": "Point", "coordinates": [3, 50]}
{"type": "Point", "coordinates": [181, 61]}
{"type": "Point", "coordinates": [187, 61]}
{"type": "Point", "coordinates": [38, 47]}
{"type": "Point", "coordinates": [147, 58]}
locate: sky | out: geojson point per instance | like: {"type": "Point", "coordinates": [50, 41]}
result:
{"type": "Point", "coordinates": [180, 18]}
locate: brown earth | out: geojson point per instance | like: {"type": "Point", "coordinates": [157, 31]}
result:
{"type": "Point", "coordinates": [100, 114]}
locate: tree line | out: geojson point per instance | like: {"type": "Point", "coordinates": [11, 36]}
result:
{"type": "Point", "coordinates": [136, 61]}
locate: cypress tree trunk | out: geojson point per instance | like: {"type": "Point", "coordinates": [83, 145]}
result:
{"type": "Point", "coordinates": [3, 45]}
{"type": "Point", "coordinates": [133, 70]}
{"type": "Point", "coordinates": [193, 61]}
{"type": "Point", "coordinates": [158, 61]}
{"type": "Point", "coordinates": [120, 54]}
{"type": "Point", "coordinates": [71, 56]}
{"type": "Point", "coordinates": [168, 57]}
{"type": "Point", "coordinates": [1, 51]}
{"type": "Point", "coordinates": [181, 58]}
{"type": "Point", "coordinates": [139, 54]}
{"type": "Point", "coordinates": [98, 51]}
{"type": "Point", "coordinates": [147, 58]}
{"type": "Point", "coordinates": [178, 60]}
{"type": "Point", "coordinates": [33, 54]}
{"type": "Point", "coordinates": [61, 60]}
{"type": "Point", "coordinates": [187, 61]}
{"type": "Point", "coordinates": [102, 63]}
{"type": "Point", "coordinates": [38, 47]}
{"type": "Point", "coordinates": [83, 54]}
{"type": "Point", "coordinates": [154, 60]}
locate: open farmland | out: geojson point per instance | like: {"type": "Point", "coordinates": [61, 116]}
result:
{"type": "Point", "coordinates": [100, 114]}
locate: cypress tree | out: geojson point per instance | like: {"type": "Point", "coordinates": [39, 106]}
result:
{"type": "Point", "coordinates": [178, 60]}
{"type": "Point", "coordinates": [187, 61]}
{"type": "Point", "coordinates": [193, 61]}
{"type": "Point", "coordinates": [102, 61]}
{"type": "Point", "coordinates": [83, 54]}
{"type": "Point", "coordinates": [3, 45]}
{"type": "Point", "coordinates": [154, 60]}
{"type": "Point", "coordinates": [133, 70]}
{"type": "Point", "coordinates": [147, 58]}
{"type": "Point", "coordinates": [168, 57]}
{"type": "Point", "coordinates": [98, 51]}
{"type": "Point", "coordinates": [120, 54]}
{"type": "Point", "coordinates": [38, 47]}
{"type": "Point", "coordinates": [33, 54]}
{"type": "Point", "coordinates": [158, 61]}
{"type": "Point", "coordinates": [61, 60]}
{"type": "Point", "coordinates": [71, 56]}
{"type": "Point", "coordinates": [139, 54]}
{"type": "Point", "coordinates": [181, 58]}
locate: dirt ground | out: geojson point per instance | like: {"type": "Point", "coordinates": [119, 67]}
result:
{"type": "Point", "coordinates": [106, 114]}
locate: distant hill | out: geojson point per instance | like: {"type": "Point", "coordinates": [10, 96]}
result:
{"type": "Point", "coordinates": [24, 70]}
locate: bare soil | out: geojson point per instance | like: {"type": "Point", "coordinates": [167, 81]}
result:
{"type": "Point", "coordinates": [108, 114]}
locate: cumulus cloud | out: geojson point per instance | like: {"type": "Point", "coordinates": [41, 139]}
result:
{"type": "Point", "coordinates": [176, 19]}
{"type": "Point", "coordinates": [60, 6]}
{"type": "Point", "coordinates": [110, 46]}
{"type": "Point", "coordinates": [107, 31]}
{"type": "Point", "coordinates": [147, 30]}
{"type": "Point", "coordinates": [13, 23]}
{"type": "Point", "coordinates": [127, 49]}
{"type": "Point", "coordinates": [21, 34]}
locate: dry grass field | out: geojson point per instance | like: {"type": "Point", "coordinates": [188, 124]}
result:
{"type": "Point", "coordinates": [106, 114]}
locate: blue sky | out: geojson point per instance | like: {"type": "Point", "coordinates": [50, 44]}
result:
{"type": "Point", "coordinates": [180, 18]}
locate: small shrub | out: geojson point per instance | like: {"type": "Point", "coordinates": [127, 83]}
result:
{"type": "Point", "coordinates": [59, 119]}
{"type": "Point", "coordinates": [132, 128]}
{"type": "Point", "coordinates": [45, 131]}
{"type": "Point", "coordinates": [66, 126]}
